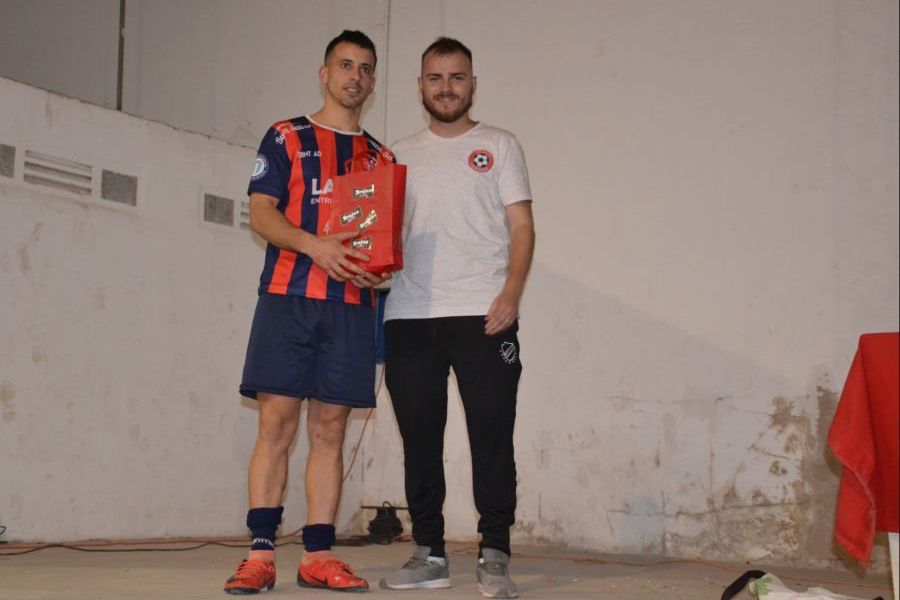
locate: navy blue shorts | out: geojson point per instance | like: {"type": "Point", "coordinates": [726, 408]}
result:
{"type": "Point", "coordinates": [308, 348]}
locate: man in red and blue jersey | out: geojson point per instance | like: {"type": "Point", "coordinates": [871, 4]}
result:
{"type": "Point", "coordinates": [312, 334]}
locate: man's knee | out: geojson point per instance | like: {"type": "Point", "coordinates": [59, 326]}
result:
{"type": "Point", "coordinates": [277, 426]}
{"type": "Point", "coordinates": [327, 432]}
{"type": "Point", "coordinates": [277, 433]}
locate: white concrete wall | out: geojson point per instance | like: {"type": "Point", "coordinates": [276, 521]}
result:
{"type": "Point", "coordinates": [715, 192]}
{"type": "Point", "coordinates": [716, 203]}
{"type": "Point", "coordinates": [68, 46]}
{"type": "Point", "coordinates": [226, 68]}
{"type": "Point", "coordinates": [123, 335]}
{"type": "Point", "coordinates": [230, 68]}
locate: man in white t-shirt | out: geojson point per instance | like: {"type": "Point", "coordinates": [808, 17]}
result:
{"type": "Point", "coordinates": [468, 239]}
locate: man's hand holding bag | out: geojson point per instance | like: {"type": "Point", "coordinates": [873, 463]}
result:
{"type": "Point", "coordinates": [369, 201]}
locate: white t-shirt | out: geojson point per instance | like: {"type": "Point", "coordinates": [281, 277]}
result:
{"type": "Point", "coordinates": [455, 232]}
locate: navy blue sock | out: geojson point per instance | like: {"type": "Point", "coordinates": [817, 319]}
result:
{"type": "Point", "coordinates": [263, 522]}
{"type": "Point", "coordinates": [318, 537]}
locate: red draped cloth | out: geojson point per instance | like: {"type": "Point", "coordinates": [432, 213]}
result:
{"type": "Point", "coordinates": [864, 436]}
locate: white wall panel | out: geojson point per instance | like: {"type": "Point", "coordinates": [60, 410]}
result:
{"type": "Point", "coordinates": [68, 46]}
{"type": "Point", "coordinates": [230, 68]}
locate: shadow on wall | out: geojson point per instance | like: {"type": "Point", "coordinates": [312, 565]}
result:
{"type": "Point", "coordinates": [634, 436]}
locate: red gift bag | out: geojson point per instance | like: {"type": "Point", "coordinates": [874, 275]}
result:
{"type": "Point", "coordinates": [370, 202]}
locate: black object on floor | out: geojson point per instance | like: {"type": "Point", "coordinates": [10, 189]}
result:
{"type": "Point", "coordinates": [740, 583]}
{"type": "Point", "coordinates": [385, 527]}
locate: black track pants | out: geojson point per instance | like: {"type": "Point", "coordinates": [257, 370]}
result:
{"type": "Point", "coordinates": [420, 353]}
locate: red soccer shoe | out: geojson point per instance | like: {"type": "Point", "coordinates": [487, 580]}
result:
{"type": "Point", "coordinates": [330, 574]}
{"type": "Point", "coordinates": [251, 577]}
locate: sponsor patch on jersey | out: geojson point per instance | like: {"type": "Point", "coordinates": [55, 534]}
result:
{"type": "Point", "coordinates": [260, 167]}
{"type": "Point", "coordinates": [481, 160]}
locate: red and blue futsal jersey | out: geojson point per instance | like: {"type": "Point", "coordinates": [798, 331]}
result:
{"type": "Point", "coordinates": [296, 163]}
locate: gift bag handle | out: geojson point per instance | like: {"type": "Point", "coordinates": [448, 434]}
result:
{"type": "Point", "coordinates": [740, 583]}
{"type": "Point", "coordinates": [363, 161]}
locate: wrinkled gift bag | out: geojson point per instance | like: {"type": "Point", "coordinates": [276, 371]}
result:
{"type": "Point", "coordinates": [368, 200]}
{"type": "Point", "coordinates": [766, 586]}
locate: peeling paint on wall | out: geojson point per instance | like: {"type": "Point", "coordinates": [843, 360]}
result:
{"type": "Point", "coordinates": [780, 498]}
{"type": "Point", "coordinates": [821, 471]}
{"type": "Point", "coordinates": [701, 476]}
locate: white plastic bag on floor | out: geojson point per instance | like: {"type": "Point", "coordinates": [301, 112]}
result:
{"type": "Point", "coordinates": [769, 587]}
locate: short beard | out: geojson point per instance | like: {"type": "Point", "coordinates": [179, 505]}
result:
{"type": "Point", "coordinates": [446, 117]}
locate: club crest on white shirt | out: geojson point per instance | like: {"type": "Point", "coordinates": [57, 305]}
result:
{"type": "Point", "coordinates": [481, 160]}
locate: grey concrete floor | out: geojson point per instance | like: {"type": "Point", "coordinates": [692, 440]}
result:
{"type": "Point", "coordinates": [61, 574]}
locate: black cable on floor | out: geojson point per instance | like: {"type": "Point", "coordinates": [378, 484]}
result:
{"type": "Point", "coordinates": [359, 540]}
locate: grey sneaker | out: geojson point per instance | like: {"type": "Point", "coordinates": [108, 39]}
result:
{"type": "Point", "coordinates": [419, 573]}
{"type": "Point", "coordinates": [493, 575]}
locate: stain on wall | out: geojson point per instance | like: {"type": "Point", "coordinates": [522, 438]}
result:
{"type": "Point", "coordinates": [7, 401]}
{"type": "Point", "coordinates": [24, 257]}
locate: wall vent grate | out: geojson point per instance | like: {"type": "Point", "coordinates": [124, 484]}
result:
{"type": "Point", "coordinates": [117, 187]}
{"type": "Point", "coordinates": [217, 209]}
{"type": "Point", "coordinates": [7, 160]}
{"type": "Point", "coordinates": [58, 173]}
{"type": "Point", "coordinates": [245, 214]}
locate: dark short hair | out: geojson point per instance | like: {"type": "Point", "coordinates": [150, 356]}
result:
{"type": "Point", "coordinates": [357, 38]}
{"type": "Point", "coordinates": [444, 46]}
